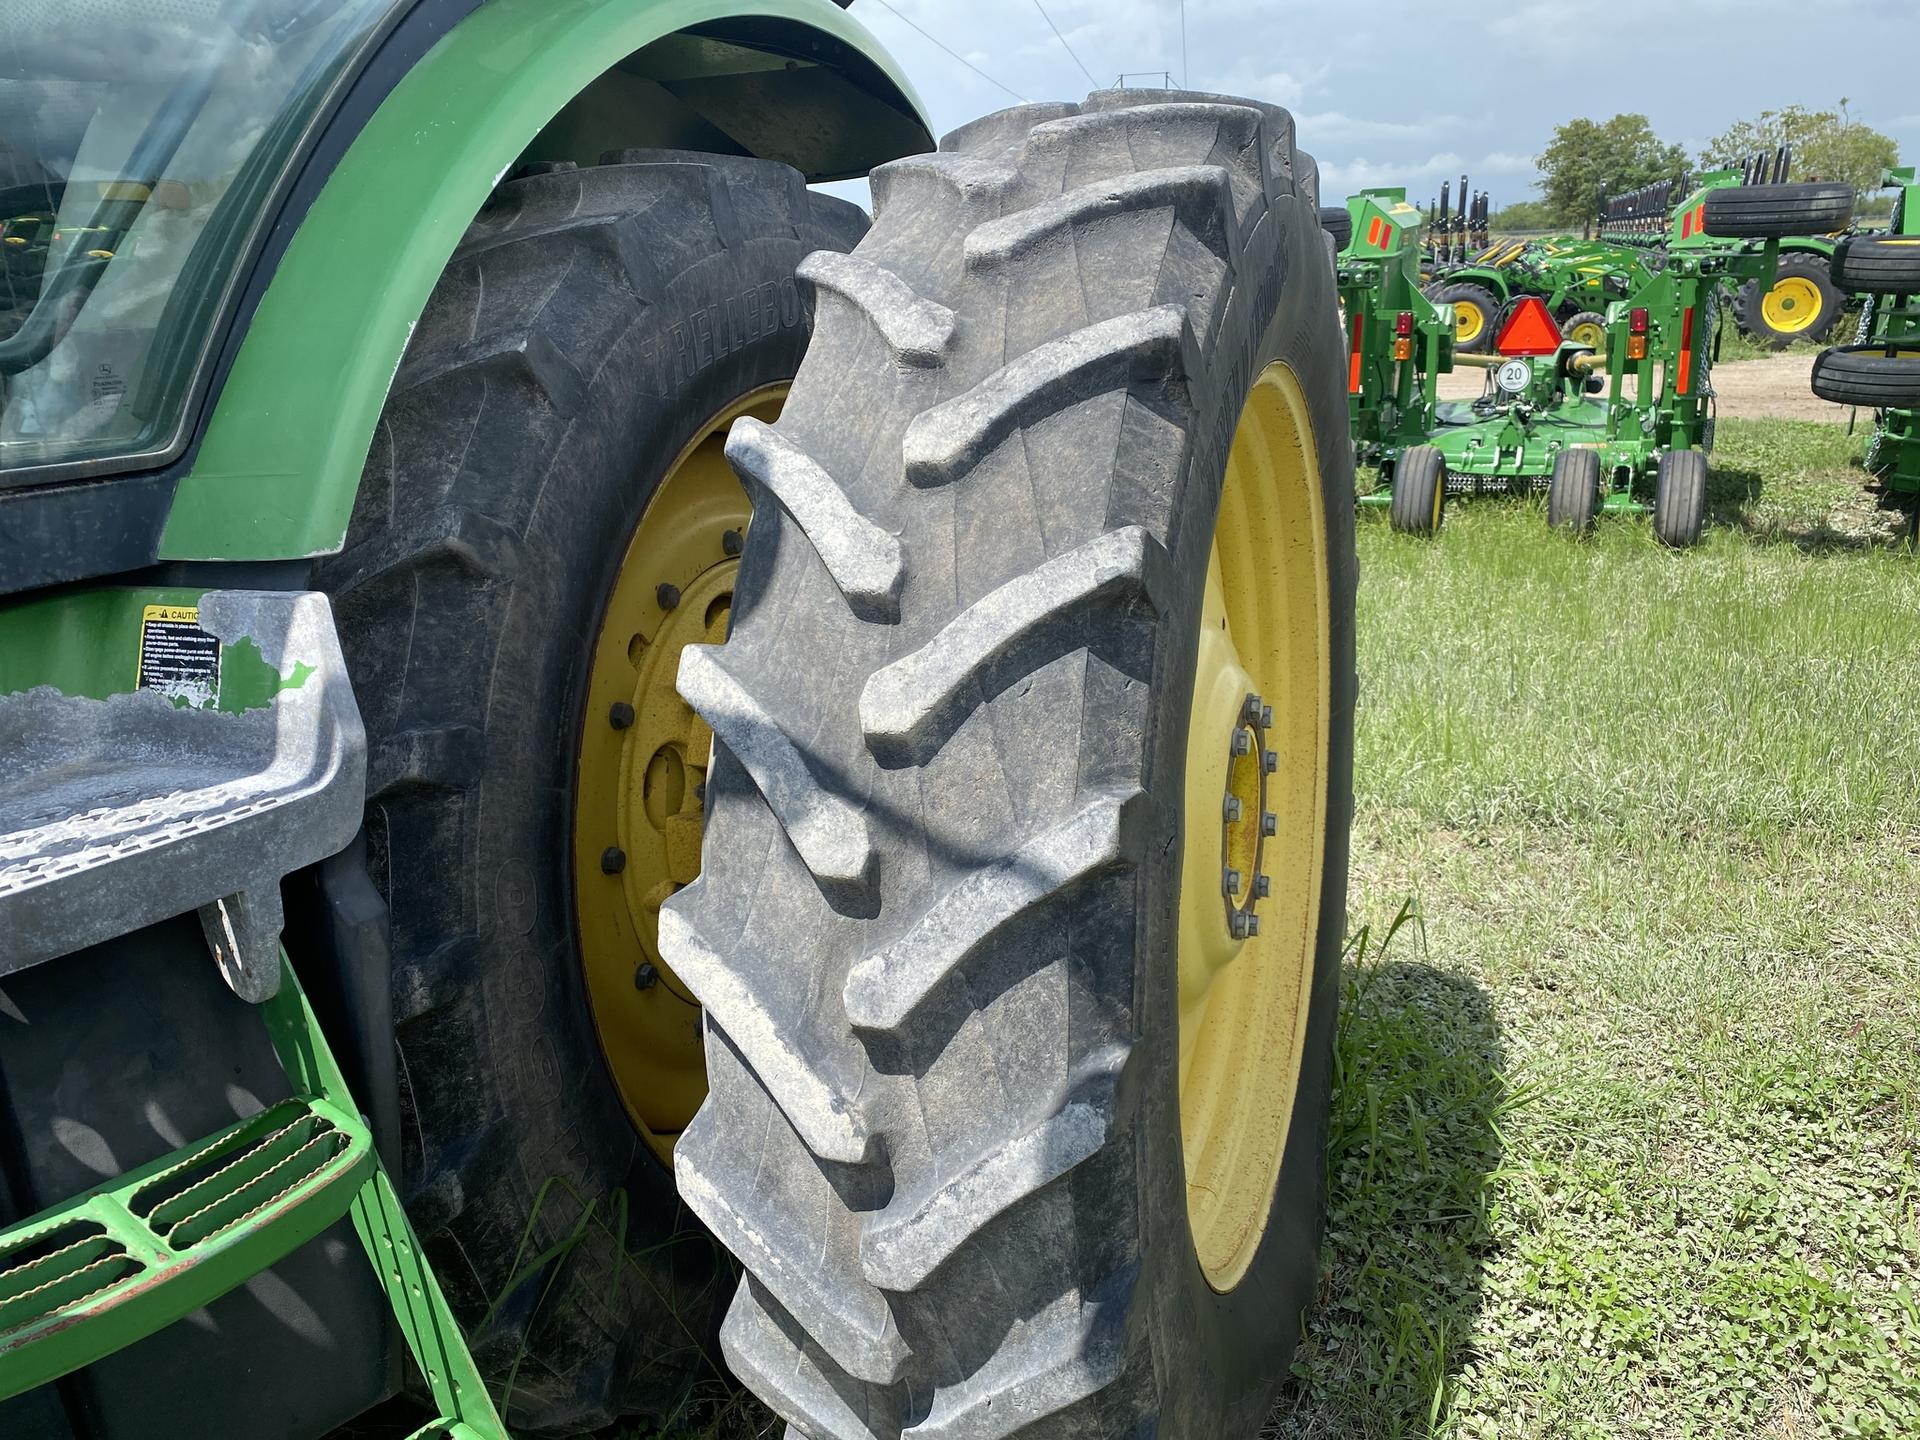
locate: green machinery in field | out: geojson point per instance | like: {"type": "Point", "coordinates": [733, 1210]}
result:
{"type": "Point", "coordinates": [1579, 275]}
{"type": "Point", "coordinates": [1588, 418]}
{"type": "Point", "coordinates": [1880, 370]}
{"type": "Point", "coordinates": [541, 873]}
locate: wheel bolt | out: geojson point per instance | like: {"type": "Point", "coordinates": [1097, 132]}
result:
{"type": "Point", "coordinates": [1233, 808]}
{"type": "Point", "coordinates": [1269, 761]}
{"type": "Point", "coordinates": [731, 542]}
{"type": "Point", "coordinates": [1269, 823]}
{"type": "Point", "coordinates": [620, 714]}
{"type": "Point", "coordinates": [1266, 717]}
{"type": "Point", "coordinates": [1251, 708]}
{"type": "Point", "coordinates": [667, 595]}
{"type": "Point", "coordinates": [1253, 925]}
{"type": "Point", "coordinates": [1237, 926]}
{"type": "Point", "coordinates": [1262, 887]}
{"type": "Point", "coordinates": [1242, 743]}
{"type": "Point", "coordinates": [1233, 882]}
{"type": "Point", "coordinates": [645, 977]}
{"type": "Point", "coordinates": [612, 860]}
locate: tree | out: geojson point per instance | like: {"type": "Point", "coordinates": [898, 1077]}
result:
{"type": "Point", "coordinates": [1522, 215]}
{"type": "Point", "coordinates": [1827, 145]}
{"type": "Point", "coordinates": [1589, 159]}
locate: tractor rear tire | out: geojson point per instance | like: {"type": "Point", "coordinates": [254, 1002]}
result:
{"type": "Point", "coordinates": [1781, 315]}
{"type": "Point", "coordinates": [1573, 491]}
{"type": "Point", "coordinates": [1878, 264]}
{"type": "Point", "coordinates": [1589, 328]}
{"type": "Point", "coordinates": [587, 325]}
{"type": "Point", "coordinates": [1774, 212]}
{"type": "Point", "coordinates": [1419, 491]}
{"type": "Point", "coordinates": [1475, 308]}
{"type": "Point", "coordinates": [935, 927]}
{"type": "Point", "coordinates": [1680, 498]}
{"type": "Point", "coordinates": [1866, 375]}
{"type": "Point", "coordinates": [1337, 221]}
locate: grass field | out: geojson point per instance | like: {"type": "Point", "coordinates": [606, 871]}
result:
{"type": "Point", "coordinates": [1625, 1142]}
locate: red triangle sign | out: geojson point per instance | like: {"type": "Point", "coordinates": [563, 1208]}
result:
{"type": "Point", "coordinates": [1528, 330]}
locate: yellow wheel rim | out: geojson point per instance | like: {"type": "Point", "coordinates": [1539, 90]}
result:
{"type": "Point", "coordinates": [1468, 321]}
{"type": "Point", "coordinates": [1244, 996]}
{"type": "Point", "coordinates": [1588, 333]}
{"type": "Point", "coordinates": [643, 763]}
{"type": "Point", "coordinates": [1792, 305]}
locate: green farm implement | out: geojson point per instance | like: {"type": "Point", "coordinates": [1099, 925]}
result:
{"type": "Point", "coordinates": [1587, 417]}
{"type": "Point", "coordinates": [542, 879]}
{"type": "Point", "coordinates": [1880, 370]}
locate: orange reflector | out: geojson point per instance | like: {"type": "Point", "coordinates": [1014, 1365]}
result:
{"type": "Point", "coordinates": [1403, 349]}
{"type": "Point", "coordinates": [1374, 227]}
{"type": "Point", "coordinates": [1683, 369]}
{"type": "Point", "coordinates": [1529, 330]}
{"type": "Point", "coordinates": [1636, 347]}
{"type": "Point", "coordinates": [1353, 360]}
{"type": "Point", "coordinates": [1700, 218]}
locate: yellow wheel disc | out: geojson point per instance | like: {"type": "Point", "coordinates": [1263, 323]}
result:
{"type": "Point", "coordinates": [643, 763]}
{"type": "Point", "coordinates": [1588, 333]}
{"type": "Point", "coordinates": [1468, 322]}
{"type": "Point", "coordinates": [1792, 305]}
{"type": "Point", "coordinates": [1256, 763]}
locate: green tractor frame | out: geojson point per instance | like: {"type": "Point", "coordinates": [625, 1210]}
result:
{"type": "Point", "coordinates": [1880, 370]}
{"type": "Point", "coordinates": [1588, 419]}
{"type": "Point", "coordinates": [619, 780]}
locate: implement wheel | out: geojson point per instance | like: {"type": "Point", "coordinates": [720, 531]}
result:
{"type": "Point", "coordinates": [1419, 499]}
{"type": "Point", "coordinates": [545, 519]}
{"type": "Point", "coordinates": [1680, 498]}
{"type": "Point", "coordinates": [1474, 310]}
{"type": "Point", "coordinates": [1019, 1100]}
{"type": "Point", "coordinates": [1878, 264]}
{"type": "Point", "coordinates": [1802, 304]}
{"type": "Point", "coordinates": [1879, 377]}
{"type": "Point", "coordinates": [1573, 491]}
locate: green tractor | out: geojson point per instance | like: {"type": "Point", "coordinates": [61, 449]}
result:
{"type": "Point", "coordinates": [1880, 370]}
{"type": "Point", "coordinates": [1586, 421]}
{"type": "Point", "coordinates": [608, 773]}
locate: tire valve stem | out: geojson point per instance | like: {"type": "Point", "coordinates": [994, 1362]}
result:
{"type": "Point", "coordinates": [612, 860]}
{"type": "Point", "coordinates": [1233, 882]}
{"type": "Point", "coordinates": [645, 977]}
{"type": "Point", "coordinates": [667, 595]}
{"type": "Point", "coordinates": [620, 715]}
{"type": "Point", "coordinates": [731, 542]}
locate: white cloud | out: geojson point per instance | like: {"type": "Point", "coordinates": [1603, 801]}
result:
{"type": "Point", "coordinates": [1334, 125]}
{"type": "Point", "coordinates": [1345, 177]}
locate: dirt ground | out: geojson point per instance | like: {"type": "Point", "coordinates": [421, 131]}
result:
{"type": "Point", "coordinates": [1774, 388]}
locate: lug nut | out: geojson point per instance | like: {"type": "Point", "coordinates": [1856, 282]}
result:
{"type": "Point", "coordinates": [1269, 761]}
{"type": "Point", "coordinates": [612, 860]}
{"type": "Point", "coordinates": [620, 714]}
{"type": "Point", "coordinates": [1269, 823]}
{"type": "Point", "coordinates": [1242, 743]}
{"type": "Point", "coordinates": [731, 542]}
{"type": "Point", "coordinates": [667, 595]}
{"type": "Point", "coordinates": [1233, 882]}
{"type": "Point", "coordinates": [1253, 926]}
{"type": "Point", "coordinates": [1250, 709]}
{"type": "Point", "coordinates": [1262, 887]}
{"type": "Point", "coordinates": [1233, 808]}
{"type": "Point", "coordinates": [1237, 925]}
{"type": "Point", "coordinates": [1266, 717]}
{"type": "Point", "coordinates": [645, 977]}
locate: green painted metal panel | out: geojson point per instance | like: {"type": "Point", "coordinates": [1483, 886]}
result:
{"type": "Point", "coordinates": [276, 473]}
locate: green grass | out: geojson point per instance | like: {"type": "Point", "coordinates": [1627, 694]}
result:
{"type": "Point", "coordinates": [1625, 1142]}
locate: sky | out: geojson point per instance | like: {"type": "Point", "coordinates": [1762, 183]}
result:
{"type": "Point", "coordinates": [1378, 104]}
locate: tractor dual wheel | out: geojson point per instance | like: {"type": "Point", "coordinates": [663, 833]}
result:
{"type": "Point", "coordinates": [1018, 928]}
{"type": "Point", "coordinates": [1419, 491]}
{"type": "Point", "coordinates": [1803, 303]}
{"type": "Point", "coordinates": [1573, 491]}
{"type": "Point", "coordinates": [1774, 212]}
{"type": "Point", "coordinates": [1680, 498]}
{"type": "Point", "coordinates": [1474, 310]}
{"type": "Point", "coordinates": [1878, 377]}
{"type": "Point", "coordinates": [1878, 264]}
{"type": "Point", "coordinates": [545, 519]}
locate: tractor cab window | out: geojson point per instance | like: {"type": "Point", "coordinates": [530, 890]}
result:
{"type": "Point", "coordinates": [140, 143]}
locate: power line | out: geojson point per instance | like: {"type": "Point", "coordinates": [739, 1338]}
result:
{"type": "Point", "coordinates": [954, 53]}
{"type": "Point", "coordinates": [1183, 44]}
{"type": "Point", "coordinates": [1063, 43]}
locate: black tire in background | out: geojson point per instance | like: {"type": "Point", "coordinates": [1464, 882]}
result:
{"type": "Point", "coordinates": [1573, 491]}
{"type": "Point", "coordinates": [1337, 221]}
{"type": "Point", "coordinates": [588, 324]}
{"type": "Point", "coordinates": [1749, 311]}
{"type": "Point", "coordinates": [1868, 375]}
{"type": "Point", "coordinates": [1419, 491]}
{"type": "Point", "coordinates": [1878, 264]}
{"type": "Point", "coordinates": [1482, 300]}
{"type": "Point", "coordinates": [933, 925]}
{"type": "Point", "coordinates": [1774, 212]}
{"type": "Point", "coordinates": [1680, 497]}
{"type": "Point", "coordinates": [1586, 322]}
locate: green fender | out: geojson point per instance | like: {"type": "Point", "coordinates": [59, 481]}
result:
{"type": "Point", "coordinates": [276, 471]}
